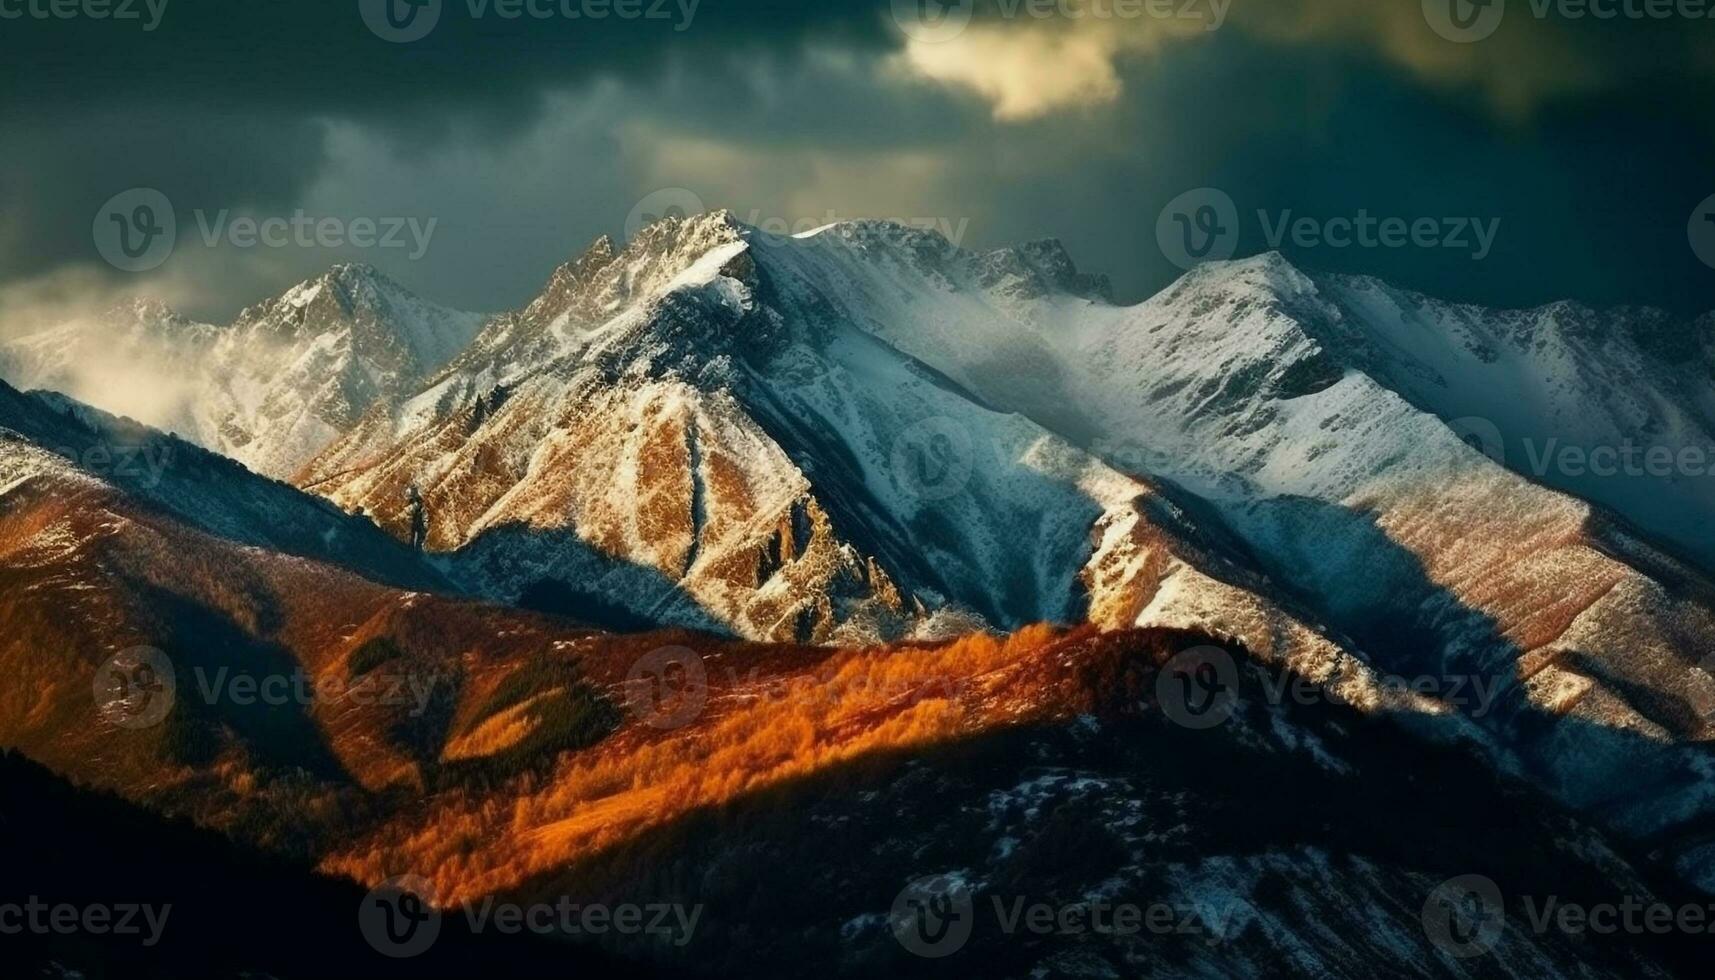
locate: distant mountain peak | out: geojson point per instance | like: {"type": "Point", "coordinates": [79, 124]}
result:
{"type": "Point", "coordinates": [1038, 268]}
{"type": "Point", "coordinates": [862, 231]}
{"type": "Point", "coordinates": [361, 301]}
{"type": "Point", "coordinates": [352, 286]}
{"type": "Point", "coordinates": [273, 387]}
{"type": "Point", "coordinates": [147, 308]}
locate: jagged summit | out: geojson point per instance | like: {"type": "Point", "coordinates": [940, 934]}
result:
{"type": "Point", "coordinates": [1040, 268]}
{"type": "Point", "coordinates": [377, 311]}
{"type": "Point", "coordinates": [604, 281]}
{"type": "Point", "coordinates": [593, 258]}
{"type": "Point", "coordinates": [1031, 270]}
{"type": "Point", "coordinates": [148, 309]}
{"type": "Point", "coordinates": [715, 224]}
{"type": "Point", "coordinates": [875, 232]}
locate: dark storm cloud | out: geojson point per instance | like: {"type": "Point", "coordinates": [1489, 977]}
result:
{"type": "Point", "coordinates": [1592, 195]}
{"type": "Point", "coordinates": [321, 58]}
{"type": "Point", "coordinates": [219, 104]}
{"type": "Point", "coordinates": [55, 173]}
{"type": "Point", "coordinates": [1587, 141]}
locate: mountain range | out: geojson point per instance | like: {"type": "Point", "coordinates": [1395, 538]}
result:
{"type": "Point", "coordinates": [865, 438]}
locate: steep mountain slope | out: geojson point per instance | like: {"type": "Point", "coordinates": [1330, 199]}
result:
{"type": "Point", "coordinates": [690, 432]}
{"type": "Point", "coordinates": [1615, 406]}
{"type": "Point", "coordinates": [1246, 387]}
{"type": "Point", "coordinates": [270, 390]}
{"type": "Point", "coordinates": [592, 442]}
{"type": "Point", "coordinates": [70, 845]}
{"type": "Point", "coordinates": [51, 444]}
{"type": "Point", "coordinates": [306, 699]}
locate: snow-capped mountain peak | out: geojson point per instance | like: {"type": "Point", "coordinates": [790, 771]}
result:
{"type": "Point", "coordinates": [597, 301]}
{"type": "Point", "coordinates": [1037, 269]}
{"type": "Point", "coordinates": [689, 407]}
{"type": "Point", "coordinates": [377, 315]}
{"type": "Point", "coordinates": [271, 389]}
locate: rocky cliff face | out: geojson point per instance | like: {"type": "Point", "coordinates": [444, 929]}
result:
{"type": "Point", "coordinates": [692, 429]}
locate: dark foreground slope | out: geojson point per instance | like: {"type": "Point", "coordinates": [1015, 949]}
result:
{"type": "Point", "coordinates": [224, 911]}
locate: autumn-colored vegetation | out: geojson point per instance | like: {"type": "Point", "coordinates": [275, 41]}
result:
{"type": "Point", "coordinates": [525, 754]}
{"type": "Point", "coordinates": [771, 716]}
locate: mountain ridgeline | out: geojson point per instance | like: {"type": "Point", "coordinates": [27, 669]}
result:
{"type": "Point", "coordinates": [866, 435]}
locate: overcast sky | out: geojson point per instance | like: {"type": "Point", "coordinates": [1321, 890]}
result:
{"type": "Point", "coordinates": [1584, 145]}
